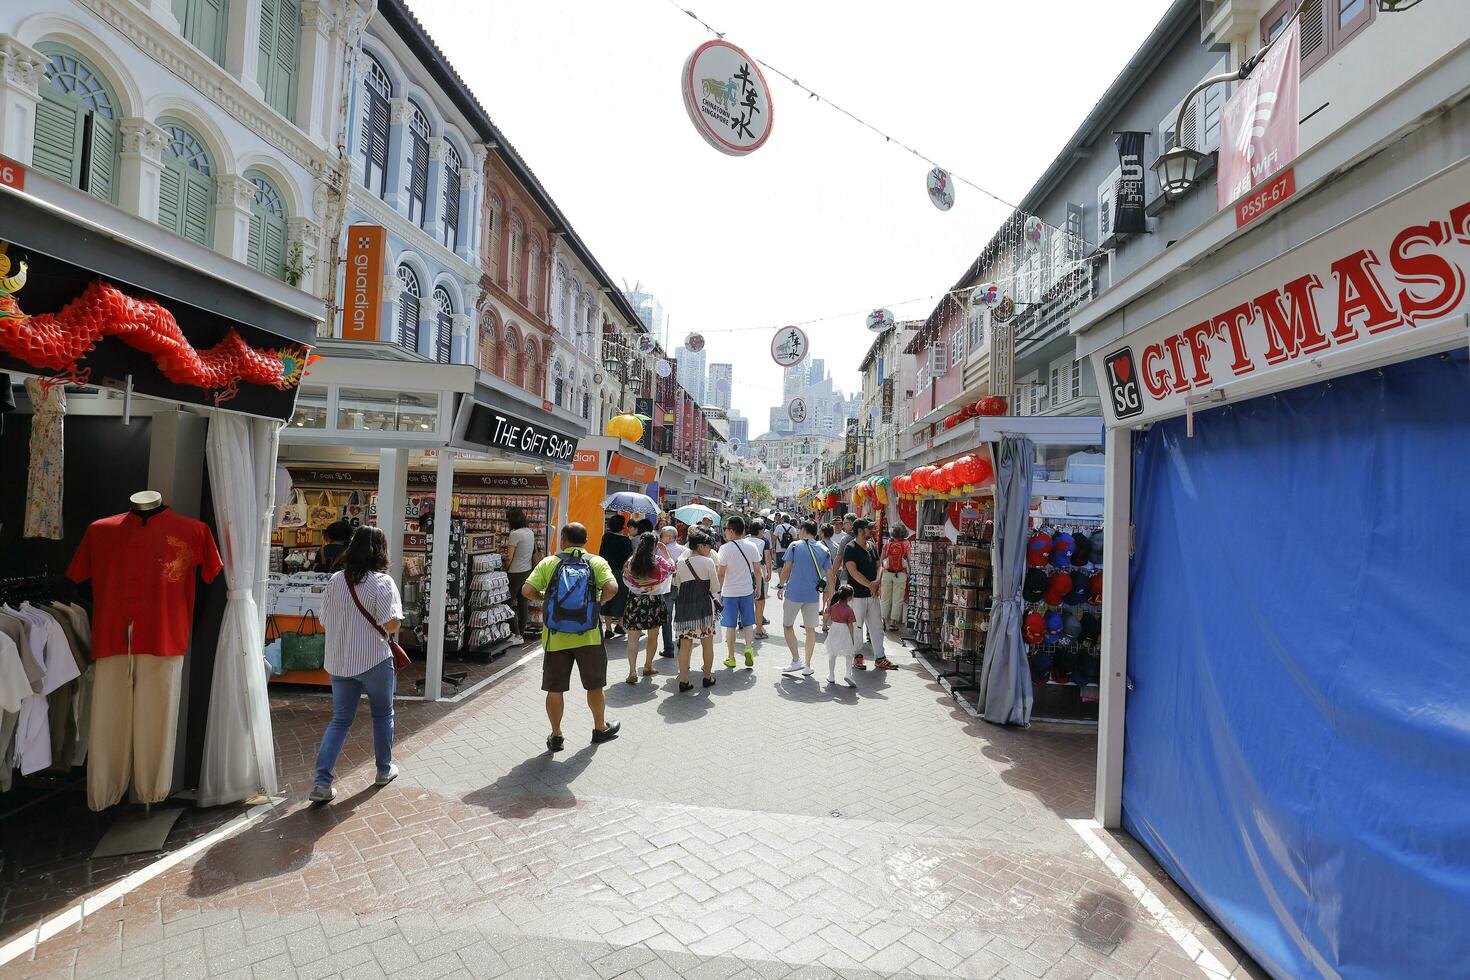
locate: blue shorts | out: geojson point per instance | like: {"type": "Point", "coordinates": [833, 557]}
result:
{"type": "Point", "coordinates": [738, 606]}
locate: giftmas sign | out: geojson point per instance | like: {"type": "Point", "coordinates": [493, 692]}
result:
{"type": "Point", "coordinates": [727, 98]}
{"type": "Point", "coordinates": [1381, 286]}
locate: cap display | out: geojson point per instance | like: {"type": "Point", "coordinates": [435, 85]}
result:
{"type": "Point", "coordinates": [1061, 549]}
{"type": "Point", "coordinates": [1035, 584]}
{"type": "Point", "coordinates": [1096, 541]}
{"type": "Point", "coordinates": [1038, 550]}
{"type": "Point", "coordinates": [1091, 627]}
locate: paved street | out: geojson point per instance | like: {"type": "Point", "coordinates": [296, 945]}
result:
{"type": "Point", "coordinates": [767, 828]}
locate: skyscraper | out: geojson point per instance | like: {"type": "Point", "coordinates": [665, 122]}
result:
{"type": "Point", "coordinates": [691, 372]}
{"type": "Point", "coordinates": [739, 428]}
{"type": "Point", "coordinates": [718, 383]}
{"type": "Point", "coordinates": [649, 309]}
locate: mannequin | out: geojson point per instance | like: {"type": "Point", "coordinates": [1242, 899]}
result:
{"type": "Point", "coordinates": [143, 565]}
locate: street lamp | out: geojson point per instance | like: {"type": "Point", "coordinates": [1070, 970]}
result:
{"type": "Point", "coordinates": [1176, 169]}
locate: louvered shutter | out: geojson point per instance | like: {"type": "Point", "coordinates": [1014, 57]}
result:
{"type": "Point", "coordinates": [171, 199]}
{"type": "Point", "coordinates": [267, 57]}
{"type": "Point", "coordinates": [375, 142]}
{"type": "Point", "coordinates": [287, 58]}
{"type": "Point", "coordinates": [203, 25]}
{"type": "Point", "coordinates": [408, 321]}
{"type": "Point", "coordinates": [273, 257]}
{"type": "Point", "coordinates": [256, 242]}
{"type": "Point", "coordinates": [446, 337]}
{"type": "Point", "coordinates": [198, 203]}
{"type": "Point", "coordinates": [58, 146]}
{"type": "Point", "coordinates": [418, 178]}
{"type": "Point", "coordinates": [1313, 30]}
{"type": "Point", "coordinates": [102, 163]}
{"type": "Point", "coordinates": [451, 205]}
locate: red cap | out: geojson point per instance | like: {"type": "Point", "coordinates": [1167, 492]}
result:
{"type": "Point", "coordinates": [1034, 628]}
{"type": "Point", "coordinates": [1096, 588]}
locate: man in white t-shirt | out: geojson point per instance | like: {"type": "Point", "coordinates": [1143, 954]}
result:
{"type": "Point", "coordinates": [670, 548]}
{"type": "Point", "coordinates": [739, 560]}
{"type": "Point", "coordinates": [761, 538]}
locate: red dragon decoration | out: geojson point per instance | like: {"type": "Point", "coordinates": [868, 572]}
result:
{"type": "Point", "coordinates": [58, 341]}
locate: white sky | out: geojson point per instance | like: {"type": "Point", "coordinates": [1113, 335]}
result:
{"type": "Point", "coordinates": [825, 218]}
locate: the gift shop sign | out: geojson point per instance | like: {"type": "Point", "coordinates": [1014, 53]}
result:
{"type": "Point", "coordinates": [483, 427]}
{"type": "Point", "coordinates": [1379, 287]}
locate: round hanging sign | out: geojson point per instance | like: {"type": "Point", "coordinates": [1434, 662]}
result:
{"type": "Point", "coordinates": [941, 189]}
{"type": "Point", "coordinates": [645, 343]}
{"type": "Point", "coordinates": [985, 295]}
{"type": "Point", "coordinates": [797, 410]}
{"type": "Point", "coordinates": [727, 98]}
{"type": "Point", "coordinates": [880, 320]}
{"type": "Point", "coordinates": [662, 369]}
{"type": "Point", "coordinates": [1032, 232]}
{"type": "Point", "coordinates": [1004, 310]}
{"type": "Point", "coordinates": [789, 346]}
{"type": "Point", "coordinates": [694, 343]}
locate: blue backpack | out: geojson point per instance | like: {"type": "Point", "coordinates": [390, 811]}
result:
{"type": "Point", "coordinates": [571, 601]}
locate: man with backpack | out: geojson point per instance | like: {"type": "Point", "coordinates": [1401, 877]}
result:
{"type": "Point", "coordinates": [785, 534]}
{"type": "Point", "coordinates": [572, 586]}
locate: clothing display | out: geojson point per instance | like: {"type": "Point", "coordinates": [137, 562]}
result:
{"type": "Point", "coordinates": [45, 687]}
{"type": "Point", "coordinates": [44, 478]}
{"type": "Point", "coordinates": [142, 570]}
{"type": "Point", "coordinates": [135, 711]}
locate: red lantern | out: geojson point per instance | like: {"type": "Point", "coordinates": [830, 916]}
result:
{"type": "Point", "coordinates": [922, 476]}
{"type": "Point", "coordinates": [908, 512]}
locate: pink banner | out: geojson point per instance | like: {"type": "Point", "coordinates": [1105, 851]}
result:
{"type": "Point", "coordinates": [1258, 127]}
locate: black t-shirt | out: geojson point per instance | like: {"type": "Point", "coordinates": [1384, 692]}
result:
{"type": "Point", "coordinates": [867, 563]}
{"type": "Point", "coordinates": [617, 549]}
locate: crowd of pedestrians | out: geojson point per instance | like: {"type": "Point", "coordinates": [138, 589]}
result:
{"type": "Point", "coordinates": [649, 582]}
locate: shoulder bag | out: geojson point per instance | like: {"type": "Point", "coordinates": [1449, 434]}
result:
{"type": "Point", "coordinates": [400, 659]}
{"type": "Point", "coordinates": [294, 513]}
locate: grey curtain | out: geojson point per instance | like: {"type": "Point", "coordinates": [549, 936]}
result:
{"type": "Point", "coordinates": [1005, 677]}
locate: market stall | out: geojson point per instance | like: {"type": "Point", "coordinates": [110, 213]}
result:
{"type": "Point", "coordinates": [148, 387]}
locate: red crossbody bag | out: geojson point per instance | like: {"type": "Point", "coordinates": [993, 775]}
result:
{"type": "Point", "coordinates": [400, 659]}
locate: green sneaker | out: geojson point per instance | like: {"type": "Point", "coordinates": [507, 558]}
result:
{"type": "Point", "coordinates": [749, 657]}
{"type": "Point", "coordinates": [730, 660]}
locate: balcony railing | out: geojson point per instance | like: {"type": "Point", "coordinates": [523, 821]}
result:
{"type": "Point", "coordinates": [1041, 321]}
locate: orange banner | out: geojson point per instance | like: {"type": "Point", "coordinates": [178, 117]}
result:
{"type": "Point", "coordinates": [630, 469]}
{"type": "Point", "coordinates": [362, 305]}
{"type": "Point", "coordinates": [587, 461]}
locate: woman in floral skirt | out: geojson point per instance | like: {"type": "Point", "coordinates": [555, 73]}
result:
{"type": "Point", "coordinates": [696, 604]}
{"type": "Point", "coordinates": [644, 613]}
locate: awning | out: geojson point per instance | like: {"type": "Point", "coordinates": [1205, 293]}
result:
{"type": "Point", "coordinates": [490, 422]}
{"type": "Point", "coordinates": [97, 307]}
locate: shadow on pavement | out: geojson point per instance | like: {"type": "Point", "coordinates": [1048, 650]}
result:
{"type": "Point", "coordinates": [542, 782]}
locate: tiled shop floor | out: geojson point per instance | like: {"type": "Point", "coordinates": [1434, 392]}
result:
{"type": "Point", "coordinates": [766, 827]}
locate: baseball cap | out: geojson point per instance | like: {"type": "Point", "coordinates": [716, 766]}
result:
{"type": "Point", "coordinates": [1095, 588]}
{"type": "Point", "coordinates": [861, 523]}
{"type": "Point", "coordinates": [1058, 586]}
{"type": "Point", "coordinates": [1072, 625]}
{"type": "Point", "coordinates": [1081, 586]}
{"type": "Point", "coordinates": [1034, 628]}
{"type": "Point", "coordinates": [1081, 550]}
{"type": "Point", "coordinates": [1053, 627]}
{"type": "Point", "coordinates": [1091, 627]}
{"type": "Point", "coordinates": [1035, 585]}
{"type": "Point", "coordinates": [1038, 550]}
{"type": "Point", "coordinates": [1096, 541]}
{"type": "Point", "coordinates": [1040, 663]}
{"type": "Point", "coordinates": [1061, 549]}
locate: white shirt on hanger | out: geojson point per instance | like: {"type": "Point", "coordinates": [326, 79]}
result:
{"type": "Point", "coordinates": [59, 664]}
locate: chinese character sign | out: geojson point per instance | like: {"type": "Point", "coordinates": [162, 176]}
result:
{"type": "Point", "coordinates": [727, 98]}
{"type": "Point", "coordinates": [1258, 126]}
{"type": "Point", "coordinates": [789, 346]}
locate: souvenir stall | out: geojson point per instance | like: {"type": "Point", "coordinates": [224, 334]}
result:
{"type": "Point", "coordinates": [147, 392]}
{"type": "Point", "coordinates": [1283, 726]}
{"type": "Point", "coordinates": [374, 438]}
{"type": "Point", "coordinates": [606, 465]}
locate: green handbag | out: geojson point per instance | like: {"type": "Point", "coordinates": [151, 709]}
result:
{"type": "Point", "coordinates": [303, 649]}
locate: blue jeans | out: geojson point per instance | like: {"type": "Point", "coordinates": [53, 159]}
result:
{"type": "Point", "coordinates": [378, 683]}
{"type": "Point", "coordinates": [669, 647]}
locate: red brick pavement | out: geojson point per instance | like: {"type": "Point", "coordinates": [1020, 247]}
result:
{"type": "Point", "coordinates": [765, 828]}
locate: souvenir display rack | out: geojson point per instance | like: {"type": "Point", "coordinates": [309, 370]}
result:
{"type": "Point", "coordinates": [967, 606]}
{"type": "Point", "coordinates": [925, 606]}
{"type": "Point", "coordinates": [489, 611]}
{"type": "Point", "coordinates": [1066, 658]}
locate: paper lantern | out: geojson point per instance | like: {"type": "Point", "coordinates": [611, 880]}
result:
{"type": "Point", "coordinates": [985, 295]}
{"type": "Point", "coordinates": [1031, 233]}
{"type": "Point", "coordinates": [922, 476]}
{"type": "Point", "coordinates": [882, 491]}
{"type": "Point", "coordinates": [950, 421]}
{"type": "Point", "coordinates": [625, 427]}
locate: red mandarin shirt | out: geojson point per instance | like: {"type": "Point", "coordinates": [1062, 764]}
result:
{"type": "Point", "coordinates": [142, 572]}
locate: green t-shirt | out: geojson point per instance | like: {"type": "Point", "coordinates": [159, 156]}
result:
{"type": "Point", "coordinates": [540, 580]}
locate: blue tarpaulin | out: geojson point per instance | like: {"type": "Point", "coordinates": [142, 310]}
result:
{"type": "Point", "coordinates": [1298, 729]}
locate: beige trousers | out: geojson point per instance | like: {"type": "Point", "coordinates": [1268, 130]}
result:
{"type": "Point", "coordinates": [135, 709]}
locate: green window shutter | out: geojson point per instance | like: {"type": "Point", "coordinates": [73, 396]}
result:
{"type": "Point", "coordinates": [266, 62]}
{"type": "Point", "coordinates": [102, 174]}
{"type": "Point", "coordinates": [171, 199]}
{"type": "Point", "coordinates": [253, 250]}
{"type": "Point", "coordinates": [274, 253]}
{"type": "Point", "coordinates": [203, 22]}
{"type": "Point", "coordinates": [288, 57]}
{"type": "Point", "coordinates": [58, 147]}
{"type": "Point", "coordinates": [198, 217]}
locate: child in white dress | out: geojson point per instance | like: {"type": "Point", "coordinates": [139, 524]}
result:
{"type": "Point", "coordinates": [842, 638]}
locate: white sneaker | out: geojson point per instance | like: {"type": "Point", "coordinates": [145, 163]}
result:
{"type": "Point", "coordinates": [848, 680]}
{"type": "Point", "coordinates": [384, 778]}
{"type": "Point", "coordinates": [793, 667]}
{"type": "Point", "coordinates": [831, 678]}
{"type": "Point", "coordinates": [807, 672]}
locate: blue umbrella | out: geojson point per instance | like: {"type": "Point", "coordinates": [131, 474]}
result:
{"type": "Point", "coordinates": [625, 502]}
{"type": "Point", "coordinates": [694, 513]}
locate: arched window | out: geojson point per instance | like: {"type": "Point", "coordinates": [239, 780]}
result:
{"type": "Point", "coordinates": [418, 165]}
{"type": "Point", "coordinates": [558, 302]}
{"type": "Point", "coordinates": [444, 320]}
{"type": "Point", "coordinates": [267, 251]}
{"type": "Point", "coordinates": [280, 53]}
{"type": "Point", "coordinates": [408, 309]}
{"type": "Point", "coordinates": [576, 304]}
{"type": "Point", "coordinates": [377, 89]}
{"type": "Point", "coordinates": [513, 256]}
{"type": "Point", "coordinates": [558, 383]}
{"type": "Point", "coordinates": [494, 208]}
{"type": "Point", "coordinates": [489, 342]}
{"type": "Point", "coordinates": [590, 319]}
{"type": "Point", "coordinates": [451, 196]}
{"type": "Point", "coordinates": [186, 184]}
{"type": "Point", "coordinates": [533, 278]}
{"type": "Point", "coordinates": [533, 368]}
{"type": "Point", "coordinates": [76, 125]}
{"type": "Point", "coordinates": [202, 22]}
{"type": "Point", "coordinates": [510, 356]}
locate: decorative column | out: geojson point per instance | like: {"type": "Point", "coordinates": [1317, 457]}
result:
{"type": "Point", "coordinates": [316, 98]}
{"type": "Point", "coordinates": [242, 45]}
{"type": "Point", "coordinates": [306, 235]}
{"type": "Point", "coordinates": [471, 179]}
{"type": "Point", "coordinates": [466, 351]}
{"type": "Point", "coordinates": [233, 196]}
{"type": "Point", "coordinates": [140, 167]}
{"type": "Point", "coordinates": [398, 113]}
{"type": "Point", "coordinates": [428, 327]}
{"type": "Point", "coordinates": [434, 193]}
{"type": "Point", "coordinates": [392, 291]}
{"type": "Point", "coordinates": [22, 73]}
{"type": "Point", "coordinates": [459, 346]}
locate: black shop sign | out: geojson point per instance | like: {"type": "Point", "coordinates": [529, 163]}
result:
{"type": "Point", "coordinates": [483, 427]}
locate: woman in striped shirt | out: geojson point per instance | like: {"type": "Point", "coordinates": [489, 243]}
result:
{"type": "Point", "coordinates": [358, 657]}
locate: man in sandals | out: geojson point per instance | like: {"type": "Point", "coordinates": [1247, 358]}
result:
{"type": "Point", "coordinates": [803, 578]}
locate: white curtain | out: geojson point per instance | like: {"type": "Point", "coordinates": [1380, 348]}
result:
{"type": "Point", "coordinates": [239, 754]}
{"type": "Point", "coordinates": [1005, 676]}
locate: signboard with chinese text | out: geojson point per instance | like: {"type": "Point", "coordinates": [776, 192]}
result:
{"type": "Point", "coordinates": [727, 98]}
{"type": "Point", "coordinates": [789, 346]}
